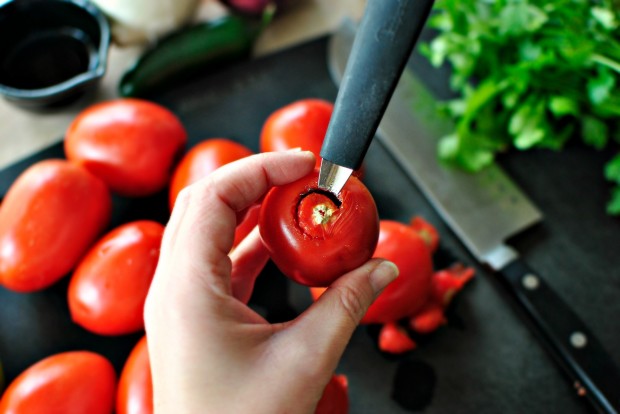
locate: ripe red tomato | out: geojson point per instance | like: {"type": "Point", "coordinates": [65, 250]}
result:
{"type": "Point", "coordinates": [202, 159]}
{"type": "Point", "coordinates": [109, 286]}
{"type": "Point", "coordinates": [131, 144]}
{"type": "Point", "coordinates": [77, 382]}
{"type": "Point", "coordinates": [50, 216]}
{"type": "Point", "coordinates": [315, 238]}
{"type": "Point", "coordinates": [335, 399]}
{"type": "Point", "coordinates": [301, 124]}
{"type": "Point", "coordinates": [135, 386]}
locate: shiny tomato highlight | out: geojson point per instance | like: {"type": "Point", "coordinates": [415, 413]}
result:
{"type": "Point", "coordinates": [131, 144]}
{"type": "Point", "coordinates": [50, 216]}
{"type": "Point", "coordinates": [135, 386]}
{"type": "Point", "coordinates": [108, 288]}
{"type": "Point", "coordinates": [314, 237]}
{"type": "Point", "coordinates": [76, 382]}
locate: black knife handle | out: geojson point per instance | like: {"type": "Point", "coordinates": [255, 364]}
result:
{"type": "Point", "coordinates": [384, 41]}
{"type": "Point", "coordinates": [566, 337]}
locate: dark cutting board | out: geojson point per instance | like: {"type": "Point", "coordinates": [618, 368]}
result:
{"type": "Point", "coordinates": [484, 360]}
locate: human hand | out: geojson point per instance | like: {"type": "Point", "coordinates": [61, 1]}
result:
{"type": "Point", "coordinates": [210, 352]}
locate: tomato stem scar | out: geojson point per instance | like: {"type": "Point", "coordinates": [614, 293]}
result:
{"type": "Point", "coordinates": [317, 210]}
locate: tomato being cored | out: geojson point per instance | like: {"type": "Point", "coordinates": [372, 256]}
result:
{"type": "Point", "coordinates": [202, 159]}
{"type": "Point", "coordinates": [77, 382]}
{"type": "Point", "coordinates": [109, 286]}
{"type": "Point", "coordinates": [135, 386]}
{"type": "Point", "coordinates": [301, 124]}
{"type": "Point", "coordinates": [314, 237]}
{"type": "Point", "coordinates": [131, 144]}
{"type": "Point", "coordinates": [50, 216]}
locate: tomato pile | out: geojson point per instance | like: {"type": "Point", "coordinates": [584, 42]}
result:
{"type": "Point", "coordinates": [135, 148]}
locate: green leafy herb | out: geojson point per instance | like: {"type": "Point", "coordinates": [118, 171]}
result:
{"type": "Point", "coordinates": [530, 74]}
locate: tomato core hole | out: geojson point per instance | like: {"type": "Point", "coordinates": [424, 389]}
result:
{"type": "Point", "coordinates": [317, 212]}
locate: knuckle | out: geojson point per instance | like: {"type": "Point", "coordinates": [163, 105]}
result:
{"type": "Point", "coordinates": [352, 302]}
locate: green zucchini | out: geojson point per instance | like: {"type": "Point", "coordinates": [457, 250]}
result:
{"type": "Point", "coordinates": [190, 51]}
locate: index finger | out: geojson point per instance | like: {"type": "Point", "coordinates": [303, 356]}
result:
{"type": "Point", "coordinates": [200, 233]}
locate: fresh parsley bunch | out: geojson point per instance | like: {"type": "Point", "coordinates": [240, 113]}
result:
{"type": "Point", "coordinates": [529, 74]}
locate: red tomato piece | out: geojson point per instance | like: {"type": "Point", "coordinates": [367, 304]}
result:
{"type": "Point", "coordinates": [131, 144]}
{"type": "Point", "coordinates": [394, 339]}
{"type": "Point", "coordinates": [77, 382]}
{"type": "Point", "coordinates": [314, 238]}
{"type": "Point", "coordinates": [301, 124]}
{"type": "Point", "coordinates": [428, 319]}
{"type": "Point", "coordinates": [50, 216]}
{"type": "Point", "coordinates": [402, 245]}
{"type": "Point", "coordinates": [109, 287]}
{"type": "Point", "coordinates": [335, 399]}
{"type": "Point", "coordinates": [135, 386]}
{"type": "Point", "coordinates": [202, 159]}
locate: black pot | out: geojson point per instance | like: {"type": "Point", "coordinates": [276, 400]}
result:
{"type": "Point", "coordinates": [51, 51]}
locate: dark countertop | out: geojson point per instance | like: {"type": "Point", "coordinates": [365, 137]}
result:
{"type": "Point", "coordinates": [484, 360]}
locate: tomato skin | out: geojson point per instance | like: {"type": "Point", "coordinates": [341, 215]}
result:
{"type": "Point", "coordinates": [131, 144]}
{"type": "Point", "coordinates": [335, 398]}
{"type": "Point", "coordinates": [320, 256]}
{"type": "Point", "coordinates": [201, 160]}
{"type": "Point", "coordinates": [109, 286]}
{"type": "Point", "coordinates": [402, 245]}
{"type": "Point", "coordinates": [50, 216]}
{"type": "Point", "coordinates": [301, 124]}
{"type": "Point", "coordinates": [135, 386]}
{"type": "Point", "coordinates": [77, 382]}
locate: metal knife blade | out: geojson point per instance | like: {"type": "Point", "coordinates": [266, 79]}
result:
{"type": "Point", "coordinates": [484, 210]}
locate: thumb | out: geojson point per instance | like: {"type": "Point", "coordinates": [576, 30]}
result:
{"type": "Point", "coordinates": [327, 326]}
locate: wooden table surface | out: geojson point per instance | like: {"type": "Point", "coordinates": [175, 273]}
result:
{"type": "Point", "coordinates": [23, 132]}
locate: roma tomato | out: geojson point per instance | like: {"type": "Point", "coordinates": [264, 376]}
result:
{"type": "Point", "coordinates": [301, 124]}
{"type": "Point", "coordinates": [109, 286]}
{"type": "Point", "coordinates": [50, 216]}
{"type": "Point", "coordinates": [77, 382]}
{"type": "Point", "coordinates": [131, 144]}
{"type": "Point", "coordinates": [314, 237]}
{"type": "Point", "coordinates": [335, 399]}
{"type": "Point", "coordinates": [202, 159]}
{"type": "Point", "coordinates": [402, 245]}
{"type": "Point", "coordinates": [135, 386]}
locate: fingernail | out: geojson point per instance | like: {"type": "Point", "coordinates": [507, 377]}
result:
{"type": "Point", "coordinates": [296, 149]}
{"type": "Point", "coordinates": [382, 275]}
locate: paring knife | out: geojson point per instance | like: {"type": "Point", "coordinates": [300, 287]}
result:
{"type": "Point", "coordinates": [484, 210]}
{"type": "Point", "coordinates": [388, 31]}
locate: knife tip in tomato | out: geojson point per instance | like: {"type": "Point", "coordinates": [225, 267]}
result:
{"type": "Point", "coordinates": [313, 236]}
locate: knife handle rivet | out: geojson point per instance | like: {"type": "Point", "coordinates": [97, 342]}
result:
{"type": "Point", "coordinates": [530, 281]}
{"type": "Point", "coordinates": [578, 339]}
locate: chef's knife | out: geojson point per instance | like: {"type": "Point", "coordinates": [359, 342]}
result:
{"type": "Point", "coordinates": [388, 31]}
{"type": "Point", "coordinates": [484, 210]}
